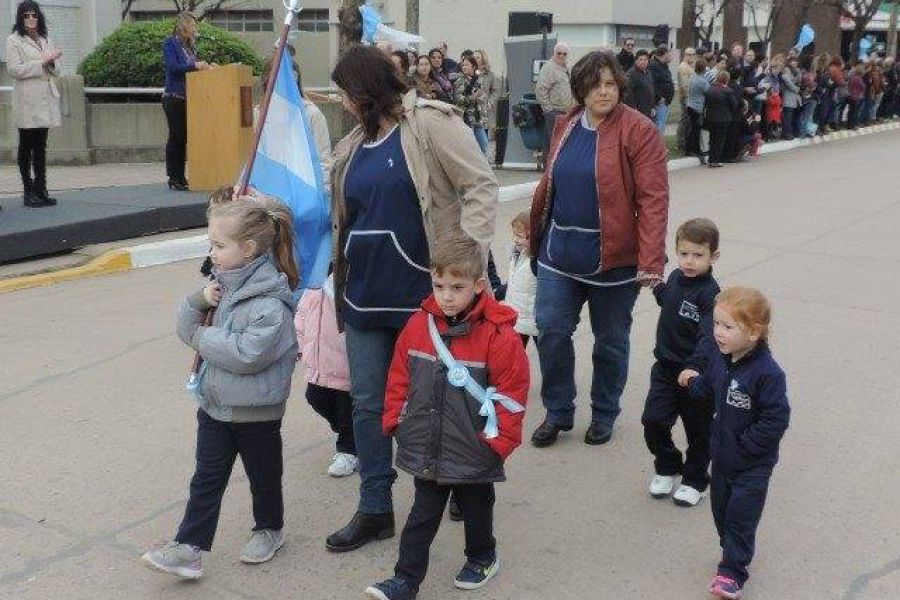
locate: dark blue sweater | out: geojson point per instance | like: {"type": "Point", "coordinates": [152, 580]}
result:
{"type": "Point", "coordinates": [178, 61]}
{"type": "Point", "coordinates": [386, 251]}
{"type": "Point", "coordinates": [686, 316]}
{"type": "Point", "coordinates": [752, 410]}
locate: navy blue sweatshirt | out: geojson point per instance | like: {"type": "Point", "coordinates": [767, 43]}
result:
{"type": "Point", "coordinates": [386, 251]}
{"type": "Point", "coordinates": [752, 410]}
{"type": "Point", "coordinates": [179, 61]}
{"type": "Point", "coordinates": [686, 316]}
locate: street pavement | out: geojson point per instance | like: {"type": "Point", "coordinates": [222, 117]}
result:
{"type": "Point", "coordinates": [97, 432]}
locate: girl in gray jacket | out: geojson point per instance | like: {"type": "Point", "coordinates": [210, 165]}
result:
{"type": "Point", "coordinates": [248, 354]}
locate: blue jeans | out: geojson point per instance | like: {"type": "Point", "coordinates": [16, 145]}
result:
{"type": "Point", "coordinates": [557, 311]}
{"type": "Point", "coordinates": [369, 353]}
{"type": "Point", "coordinates": [662, 114]}
{"type": "Point", "coordinates": [481, 137]}
{"type": "Point", "coordinates": [808, 126]}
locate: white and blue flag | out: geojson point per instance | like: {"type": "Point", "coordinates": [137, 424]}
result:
{"type": "Point", "coordinates": [287, 166]}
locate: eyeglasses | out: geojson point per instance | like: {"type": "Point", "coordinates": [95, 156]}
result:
{"type": "Point", "coordinates": [29, 15]}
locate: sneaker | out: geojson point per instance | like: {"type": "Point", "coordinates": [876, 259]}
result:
{"type": "Point", "coordinates": [182, 560]}
{"type": "Point", "coordinates": [474, 575]}
{"type": "Point", "coordinates": [725, 587]}
{"type": "Point", "coordinates": [262, 546]}
{"type": "Point", "coordinates": [343, 464]}
{"type": "Point", "coordinates": [662, 485]}
{"type": "Point", "coordinates": [685, 495]}
{"type": "Point", "coordinates": [390, 589]}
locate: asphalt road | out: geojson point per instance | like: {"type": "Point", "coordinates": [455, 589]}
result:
{"type": "Point", "coordinates": [97, 432]}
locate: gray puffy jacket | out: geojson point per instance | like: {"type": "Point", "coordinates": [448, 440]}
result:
{"type": "Point", "coordinates": [250, 350]}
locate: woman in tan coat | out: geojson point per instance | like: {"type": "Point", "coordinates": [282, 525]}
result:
{"type": "Point", "coordinates": [31, 60]}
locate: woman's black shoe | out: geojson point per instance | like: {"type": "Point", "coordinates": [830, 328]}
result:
{"type": "Point", "coordinates": [45, 198]}
{"type": "Point", "coordinates": [31, 199]}
{"type": "Point", "coordinates": [362, 529]}
{"type": "Point", "coordinates": [597, 434]}
{"type": "Point", "coordinates": [177, 186]}
{"type": "Point", "coordinates": [546, 434]}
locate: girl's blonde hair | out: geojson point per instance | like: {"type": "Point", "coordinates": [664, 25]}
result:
{"type": "Point", "coordinates": [182, 21]}
{"type": "Point", "coordinates": [269, 224]}
{"type": "Point", "coordinates": [523, 220]}
{"type": "Point", "coordinates": [748, 307]}
{"type": "Point", "coordinates": [484, 59]}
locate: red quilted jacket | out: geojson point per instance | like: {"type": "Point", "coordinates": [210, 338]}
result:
{"type": "Point", "coordinates": [437, 426]}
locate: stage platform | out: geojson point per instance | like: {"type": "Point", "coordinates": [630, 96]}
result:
{"type": "Point", "coordinates": [93, 216]}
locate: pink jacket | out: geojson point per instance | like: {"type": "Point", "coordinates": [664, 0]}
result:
{"type": "Point", "coordinates": [323, 351]}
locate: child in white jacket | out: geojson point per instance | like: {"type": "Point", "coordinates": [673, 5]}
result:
{"type": "Point", "coordinates": [521, 282]}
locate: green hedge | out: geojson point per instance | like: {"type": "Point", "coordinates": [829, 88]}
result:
{"type": "Point", "coordinates": [131, 56]}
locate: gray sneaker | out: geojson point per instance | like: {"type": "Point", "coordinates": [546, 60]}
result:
{"type": "Point", "coordinates": [262, 546]}
{"type": "Point", "coordinates": [182, 560]}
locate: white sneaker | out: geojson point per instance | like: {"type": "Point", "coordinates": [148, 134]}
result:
{"type": "Point", "coordinates": [343, 464]}
{"type": "Point", "coordinates": [662, 485]}
{"type": "Point", "coordinates": [685, 495]}
{"type": "Point", "coordinates": [262, 546]}
{"type": "Point", "coordinates": [176, 559]}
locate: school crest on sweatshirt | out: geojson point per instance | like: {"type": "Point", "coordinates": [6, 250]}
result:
{"type": "Point", "coordinates": [689, 311]}
{"type": "Point", "coordinates": [736, 397]}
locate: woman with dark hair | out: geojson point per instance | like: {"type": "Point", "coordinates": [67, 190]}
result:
{"type": "Point", "coordinates": [424, 83]}
{"type": "Point", "coordinates": [31, 60]}
{"type": "Point", "coordinates": [719, 112]}
{"type": "Point", "coordinates": [401, 61]}
{"type": "Point", "coordinates": [179, 57]}
{"type": "Point", "coordinates": [436, 56]}
{"type": "Point", "coordinates": [471, 98]}
{"type": "Point", "coordinates": [409, 174]}
{"type": "Point", "coordinates": [606, 180]}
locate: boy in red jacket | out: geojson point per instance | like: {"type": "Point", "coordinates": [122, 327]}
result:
{"type": "Point", "coordinates": [455, 401]}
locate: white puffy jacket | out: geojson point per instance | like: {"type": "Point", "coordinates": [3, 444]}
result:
{"type": "Point", "coordinates": [520, 291]}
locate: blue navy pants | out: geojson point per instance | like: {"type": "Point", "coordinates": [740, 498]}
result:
{"type": "Point", "coordinates": [737, 502]}
{"type": "Point", "coordinates": [218, 444]}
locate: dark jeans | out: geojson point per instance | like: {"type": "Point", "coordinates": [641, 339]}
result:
{"type": "Point", "coordinates": [852, 113]}
{"type": "Point", "coordinates": [718, 135]}
{"type": "Point", "coordinates": [33, 153]}
{"type": "Point", "coordinates": [692, 135]}
{"type": "Point", "coordinates": [737, 502]}
{"type": "Point", "coordinates": [369, 353]}
{"type": "Point", "coordinates": [787, 123]}
{"type": "Point", "coordinates": [558, 310]}
{"type": "Point", "coordinates": [476, 503]}
{"type": "Point", "coordinates": [666, 402]}
{"type": "Point", "coordinates": [176, 145]}
{"type": "Point", "coordinates": [336, 407]}
{"type": "Point", "coordinates": [218, 444]}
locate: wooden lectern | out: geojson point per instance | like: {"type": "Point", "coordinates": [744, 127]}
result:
{"type": "Point", "coordinates": [219, 125]}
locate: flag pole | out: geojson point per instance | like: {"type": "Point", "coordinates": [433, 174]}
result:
{"type": "Point", "coordinates": [293, 7]}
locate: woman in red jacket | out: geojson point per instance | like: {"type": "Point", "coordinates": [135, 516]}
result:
{"type": "Point", "coordinates": [598, 230]}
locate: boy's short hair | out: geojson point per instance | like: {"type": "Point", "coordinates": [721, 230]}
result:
{"type": "Point", "coordinates": [523, 219]}
{"type": "Point", "coordinates": [223, 195]}
{"type": "Point", "coordinates": [460, 256]}
{"type": "Point", "coordinates": [699, 231]}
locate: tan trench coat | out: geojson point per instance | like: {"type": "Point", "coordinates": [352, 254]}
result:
{"type": "Point", "coordinates": [35, 94]}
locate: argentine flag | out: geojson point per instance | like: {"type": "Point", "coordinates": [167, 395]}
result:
{"type": "Point", "coordinates": [287, 166]}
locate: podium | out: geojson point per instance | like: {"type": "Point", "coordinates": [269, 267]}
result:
{"type": "Point", "coordinates": [219, 125]}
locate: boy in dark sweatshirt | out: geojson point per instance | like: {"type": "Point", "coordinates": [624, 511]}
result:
{"type": "Point", "coordinates": [687, 300]}
{"type": "Point", "coordinates": [751, 415]}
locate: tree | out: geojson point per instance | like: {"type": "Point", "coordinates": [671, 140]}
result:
{"type": "Point", "coordinates": [763, 16]}
{"type": "Point", "coordinates": [350, 24]}
{"type": "Point", "coordinates": [861, 11]}
{"type": "Point", "coordinates": [412, 16]}
{"type": "Point", "coordinates": [126, 8]}
{"type": "Point", "coordinates": [200, 8]}
{"type": "Point", "coordinates": [705, 15]}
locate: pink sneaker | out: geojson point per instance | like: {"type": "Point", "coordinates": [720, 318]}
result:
{"type": "Point", "coordinates": [725, 587]}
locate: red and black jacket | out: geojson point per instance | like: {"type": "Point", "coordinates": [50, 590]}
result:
{"type": "Point", "coordinates": [437, 426]}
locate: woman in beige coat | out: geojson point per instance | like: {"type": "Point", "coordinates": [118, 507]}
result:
{"type": "Point", "coordinates": [31, 60]}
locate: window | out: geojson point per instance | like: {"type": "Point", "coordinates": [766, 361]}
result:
{"type": "Point", "coordinates": [241, 20]}
{"type": "Point", "coordinates": [313, 19]}
{"type": "Point", "coordinates": [142, 16]}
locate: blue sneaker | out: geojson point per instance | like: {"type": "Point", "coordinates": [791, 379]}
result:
{"type": "Point", "coordinates": [390, 589]}
{"type": "Point", "coordinates": [475, 575]}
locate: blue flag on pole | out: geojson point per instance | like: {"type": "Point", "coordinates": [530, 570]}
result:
{"type": "Point", "coordinates": [806, 37]}
{"type": "Point", "coordinates": [287, 166]}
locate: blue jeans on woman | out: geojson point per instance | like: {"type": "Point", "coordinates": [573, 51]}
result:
{"type": "Point", "coordinates": [369, 353]}
{"type": "Point", "coordinates": [557, 311]}
{"type": "Point", "coordinates": [481, 137]}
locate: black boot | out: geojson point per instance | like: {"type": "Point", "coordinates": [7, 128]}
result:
{"type": "Point", "coordinates": [546, 434]}
{"type": "Point", "coordinates": [30, 198]}
{"type": "Point", "coordinates": [362, 529]}
{"type": "Point", "coordinates": [40, 190]}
